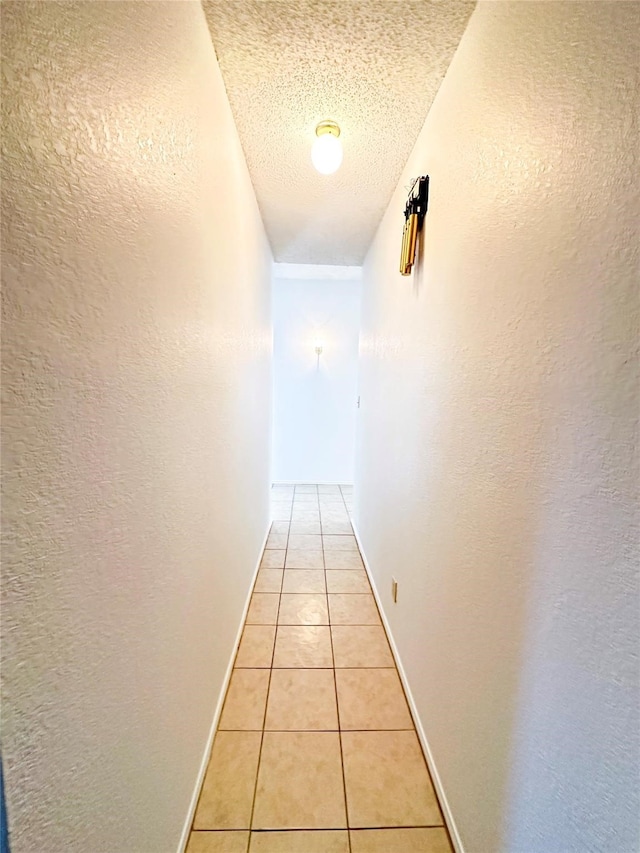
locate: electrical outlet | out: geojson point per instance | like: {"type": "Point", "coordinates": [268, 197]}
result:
{"type": "Point", "coordinates": [394, 590]}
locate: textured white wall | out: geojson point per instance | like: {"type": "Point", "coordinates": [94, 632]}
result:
{"type": "Point", "coordinates": [314, 405]}
{"type": "Point", "coordinates": [499, 405]}
{"type": "Point", "coordinates": [136, 416]}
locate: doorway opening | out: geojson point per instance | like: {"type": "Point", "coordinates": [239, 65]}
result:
{"type": "Point", "coordinates": [316, 330]}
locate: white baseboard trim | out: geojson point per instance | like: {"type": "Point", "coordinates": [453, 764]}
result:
{"type": "Point", "coordinates": [184, 838]}
{"type": "Point", "coordinates": [422, 737]}
{"type": "Point", "coordinates": [309, 483]}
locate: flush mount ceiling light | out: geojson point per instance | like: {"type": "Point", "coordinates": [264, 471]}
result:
{"type": "Point", "coordinates": [326, 151]}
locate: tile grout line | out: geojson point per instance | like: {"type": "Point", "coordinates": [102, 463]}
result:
{"type": "Point", "coordinates": [310, 667]}
{"type": "Point", "coordinates": [226, 695]}
{"type": "Point", "coordinates": [324, 731]}
{"type": "Point", "coordinates": [234, 667]}
{"type": "Point", "coordinates": [266, 703]}
{"type": "Point", "coordinates": [332, 828]}
{"type": "Point", "coordinates": [344, 778]}
{"type": "Point", "coordinates": [335, 688]}
{"type": "Point", "coordinates": [333, 668]}
{"type": "Point", "coordinates": [443, 823]}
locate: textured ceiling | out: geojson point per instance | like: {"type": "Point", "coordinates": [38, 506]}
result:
{"type": "Point", "coordinates": [374, 67]}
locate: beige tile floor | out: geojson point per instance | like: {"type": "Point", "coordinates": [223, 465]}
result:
{"type": "Point", "coordinates": [315, 751]}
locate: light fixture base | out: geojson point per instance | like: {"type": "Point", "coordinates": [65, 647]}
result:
{"type": "Point", "coordinates": [328, 127]}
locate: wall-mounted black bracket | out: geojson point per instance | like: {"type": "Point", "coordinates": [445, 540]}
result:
{"type": "Point", "coordinates": [414, 214]}
{"type": "Point", "coordinates": [418, 200]}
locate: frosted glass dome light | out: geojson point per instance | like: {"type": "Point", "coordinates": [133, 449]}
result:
{"type": "Point", "coordinates": [326, 151]}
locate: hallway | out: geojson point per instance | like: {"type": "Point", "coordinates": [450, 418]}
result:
{"type": "Point", "coordinates": [194, 307]}
{"type": "Point", "coordinates": [315, 712]}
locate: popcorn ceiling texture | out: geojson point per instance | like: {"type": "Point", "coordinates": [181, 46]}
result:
{"type": "Point", "coordinates": [374, 67]}
{"type": "Point", "coordinates": [499, 401]}
{"type": "Point", "coordinates": [136, 383]}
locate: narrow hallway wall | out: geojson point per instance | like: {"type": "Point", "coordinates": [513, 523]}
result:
{"type": "Point", "coordinates": [136, 416]}
{"type": "Point", "coordinates": [497, 464]}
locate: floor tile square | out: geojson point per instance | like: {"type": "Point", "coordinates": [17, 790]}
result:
{"type": "Point", "coordinates": [329, 490]}
{"type": "Point", "coordinates": [301, 700]}
{"type": "Point", "coordinates": [330, 519]}
{"type": "Point", "coordinates": [277, 540]}
{"type": "Point", "coordinates": [303, 646]}
{"type": "Point", "coordinates": [300, 782]}
{"type": "Point", "coordinates": [360, 645]}
{"type": "Point", "coordinates": [301, 841]}
{"type": "Point", "coordinates": [304, 560]}
{"type": "Point", "coordinates": [307, 489]}
{"type": "Point", "coordinates": [343, 560]}
{"type": "Point", "coordinates": [273, 559]}
{"type": "Point", "coordinates": [303, 609]}
{"type": "Point", "coordinates": [279, 527]}
{"type": "Point", "coordinates": [305, 542]}
{"type": "Point", "coordinates": [227, 793]}
{"type": "Point", "coordinates": [220, 841]}
{"type": "Point", "coordinates": [339, 543]}
{"type": "Point", "coordinates": [304, 580]}
{"type": "Point", "coordinates": [302, 500]}
{"type": "Point", "coordinates": [334, 514]}
{"type": "Point", "coordinates": [245, 701]}
{"type": "Point", "coordinates": [387, 781]}
{"type": "Point", "coordinates": [308, 527]}
{"type": "Point", "coordinates": [415, 840]}
{"type": "Point", "coordinates": [279, 502]}
{"type": "Point", "coordinates": [371, 699]}
{"type": "Point", "coordinates": [263, 609]}
{"type": "Point", "coordinates": [269, 580]}
{"type": "Point", "coordinates": [256, 646]}
{"type": "Point", "coordinates": [341, 528]}
{"type": "Point", "coordinates": [279, 514]}
{"type": "Point", "coordinates": [347, 582]}
{"type": "Point", "coordinates": [350, 609]}
{"type": "Point", "coordinates": [305, 515]}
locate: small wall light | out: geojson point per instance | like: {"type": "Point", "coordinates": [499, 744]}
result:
{"type": "Point", "coordinates": [318, 349]}
{"type": "Point", "coordinates": [326, 151]}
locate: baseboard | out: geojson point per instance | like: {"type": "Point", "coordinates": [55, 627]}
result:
{"type": "Point", "coordinates": [309, 483]}
{"type": "Point", "coordinates": [422, 737]}
{"type": "Point", "coordinates": [184, 838]}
